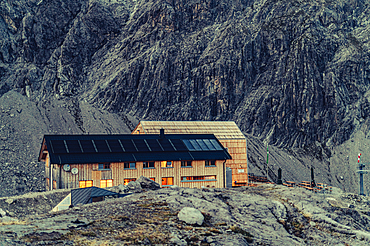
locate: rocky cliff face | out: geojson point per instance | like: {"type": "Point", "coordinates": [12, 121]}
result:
{"type": "Point", "coordinates": [294, 73]}
{"type": "Point", "coordinates": [291, 72]}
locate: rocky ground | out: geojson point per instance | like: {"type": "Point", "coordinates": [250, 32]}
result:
{"type": "Point", "coordinates": [263, 215]}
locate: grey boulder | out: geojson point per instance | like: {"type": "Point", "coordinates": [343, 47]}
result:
{"type": "Point", "coordinates": [2, 213]}
{"type": "Point", "coordinates": [191, 216]}
{"type": "Point", "coordinates": [123, 188]}
{"type": "Point", "coordinates": [147, 183]}
{"type": "Point", "coordinates": [134, 187]}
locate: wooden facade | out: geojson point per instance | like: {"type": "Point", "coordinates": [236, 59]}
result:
{"type": "Point", "coordinates": [87, 160]}
{"type": "Point", "coordinates": [227, 132]}
{"type": "Point", "coordinates": [214, 175]}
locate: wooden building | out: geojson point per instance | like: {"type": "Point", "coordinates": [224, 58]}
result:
{"type": "Point", "coordinates": [227, 132]}
{"type": "Point", "coordinates": [187, 160]}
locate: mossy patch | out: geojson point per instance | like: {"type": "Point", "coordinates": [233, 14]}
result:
{"type": "Point", "coordinates": [247, 235]}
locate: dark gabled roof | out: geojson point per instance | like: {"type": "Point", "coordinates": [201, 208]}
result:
{"type": "Point", "coordinates": [82, 149]}
{"type": "Point", "coordinates": [83, 195]}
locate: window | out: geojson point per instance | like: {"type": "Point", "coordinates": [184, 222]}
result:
{"type": "Point", "coordinates": [104, 166]}
{"type": "Point", "coordinates": [152, 179]}
{"type": "Point", "coordinates": [198, 178]}
{"type": "Point", "coordinates": [129, 165]}
{"type": "Point", "coordinates": [86, 183]}
{"type": "Point", "coordinates": [126, 181]}
{"type": "Point", "coordinates": [185, 163]}
{"type": "Point", "coordinates": [106, 183]}
{"type": "Point", "coordinates": [97, 199]}
{"type": "Point", "coordinates": [210, 163]}
{"type": "Point", "coordinates": [166, 164]}
{"type": "Point", "coordinates": [167, 181]}
{"type": "Point", "coordinates": [149, 164]}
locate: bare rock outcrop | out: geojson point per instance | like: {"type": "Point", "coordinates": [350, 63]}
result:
{"type": "Point", "coordinates": [264, 215]}
{"type": "Point", "coordinates": [291, 73]}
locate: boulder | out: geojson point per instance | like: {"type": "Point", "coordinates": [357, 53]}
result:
{"type": "Point", "coordinates": [9, 201]}
{"type": "Point", "coordinates": [147, 183]}
{"type": "Point", "coordinates": [7, 219]}
{"type": "Point", "coordinates": [175, 187]}
{"type": "Point", "coordinates": [123, 188]}
{"type": "Point", "coordinates": [119, 189]}
{"type": "Point", "coordinates": [2, 213]}
{"type": "Point", "coordinates": [113, 189]}
{"type": "Point", "coordinates": [191, 216]}
{"type": "Point", "coordinates": [177, 241]}
{"type": "Point", "coordinates": [134, 187]}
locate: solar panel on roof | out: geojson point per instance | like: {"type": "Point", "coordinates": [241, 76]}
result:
{"type": "Point", "coordinates": [209, 144]}
{"type": "Point", "coordinates": [141, 145]}
{"type": "Point", "coordinates": [166, 145]}
{"type": "Point", "coordinates": [202, 144]}
{"type": "Point", "coordinates": [216, 144]}
{"type": "Point", "coordinates": [188, 144]}
{"type": "Point", "coordinates": [102, 146]}
{"type": "Point", "coordinates": [58, 146]}
{"type": "Point", "coordinates": [128, 145]}
{"type": "Point", "coordinates": [195, 144]}
{"type": "Point", "coordinates": [87, 146]}
{"type": "Point", "coordinates": [154, 145]}
{"type": "Point", "coordinates": [73, 146]}
{"type": "Point", "coordinates": [179, 145]}
{"type": "Point", "coordinates": [115, 146]}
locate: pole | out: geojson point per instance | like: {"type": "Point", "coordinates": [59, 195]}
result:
{"type": "Point", "coordinates": [313, 183]}
{"type": "Point", "coordinates": [267, 162]}
{"type": "Point", "coordinates": [361, 175]}
{"type": "Point", "coordinates": [361, 181]}
{"type": "Point", "coordinates": [279, 180]}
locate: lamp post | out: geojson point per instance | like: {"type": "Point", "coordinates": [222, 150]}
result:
{"type": "Point", "coordinates": [361, 172]}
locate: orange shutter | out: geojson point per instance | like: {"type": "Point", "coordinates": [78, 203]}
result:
{"type": "Point", "coordinates": [163, 163]}
{"type": "Point", "coordinates": [167, 181]}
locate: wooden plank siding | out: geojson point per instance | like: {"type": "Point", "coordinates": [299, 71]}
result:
{"type": "Point", "coordinates": [47, 171]}
{"type": "Point", "coordinates": [238, 164]}
{"type": "Point", "coordinates": [118, 173]}
{"type": "Point", "coordinates": [227, 132]}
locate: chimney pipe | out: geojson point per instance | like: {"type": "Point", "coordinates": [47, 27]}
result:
{"type": "Point", "coordinates": [161, 133]}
